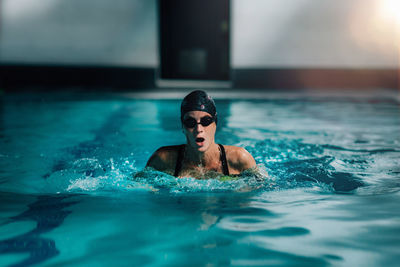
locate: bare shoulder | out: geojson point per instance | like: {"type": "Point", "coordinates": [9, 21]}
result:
{"type": "Point", "coordinates": [239, 158]}
{"type": "Point", "coordinates": [164, 158]}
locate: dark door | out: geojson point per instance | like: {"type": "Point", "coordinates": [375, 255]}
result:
{"type": "Point", "coordinates": [194, 39]}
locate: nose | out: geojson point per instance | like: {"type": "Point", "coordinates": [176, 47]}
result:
{"type": "Point", "coordinates": [199, 128]}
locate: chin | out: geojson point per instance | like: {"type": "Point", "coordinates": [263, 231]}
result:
{"type": "Point", "coordinates": [203, 148]}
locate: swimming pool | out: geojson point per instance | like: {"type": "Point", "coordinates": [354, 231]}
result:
{"type": "Point", "coordinates": [331, 198]}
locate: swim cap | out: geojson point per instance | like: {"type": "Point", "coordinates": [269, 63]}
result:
{"type": "Point", "coordinates": [198, 100]}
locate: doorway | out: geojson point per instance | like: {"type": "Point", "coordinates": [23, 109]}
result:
{"type": "Point", "coordinates": [194, 41]}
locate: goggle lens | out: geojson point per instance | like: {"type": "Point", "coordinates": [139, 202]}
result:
{"type": "Point", "coordinates": [191, 122]}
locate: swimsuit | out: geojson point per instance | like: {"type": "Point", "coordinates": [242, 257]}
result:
{"type": "Point", "coordinates": [179, 160]}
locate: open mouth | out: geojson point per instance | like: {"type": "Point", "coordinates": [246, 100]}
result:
{"type": "Point", "coordinates": [199, 139]}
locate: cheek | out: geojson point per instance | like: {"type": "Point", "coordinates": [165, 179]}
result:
{"type": "Point", "coordinates": [211, 132]}
{"type": "Point", "coordinates": [187, 132]}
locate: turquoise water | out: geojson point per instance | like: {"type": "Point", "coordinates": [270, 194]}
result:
{"type": "Point", "coordinates": [331, 196]}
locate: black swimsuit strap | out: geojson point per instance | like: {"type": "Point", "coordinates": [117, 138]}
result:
{"type": "Point", "coordinates": [223, 160]}
{"type": "Point", "coordinates": [181, 153]}
{"type": "Point", "coordinates": [179, 160]}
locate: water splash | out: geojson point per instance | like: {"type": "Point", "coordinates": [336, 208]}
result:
{"type": "Point", "coordinates": [161, 181]}
{"type": "Point", "coordinates": [89, 175]}
{"type": "Point", "coordinates": [283, 164]}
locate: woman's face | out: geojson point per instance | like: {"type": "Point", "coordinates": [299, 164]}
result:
{"type": "Point", "coordinates": [199, 137]}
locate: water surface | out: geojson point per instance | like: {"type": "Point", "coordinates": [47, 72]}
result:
{"type": "Point", "coordinates": [330, 197]}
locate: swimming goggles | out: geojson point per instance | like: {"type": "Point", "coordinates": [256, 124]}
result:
{"type": "Point", "coordinates": [191, 122]}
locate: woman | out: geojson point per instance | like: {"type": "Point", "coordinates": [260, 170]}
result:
{"type": "Point", "coordinates": [200, 157]}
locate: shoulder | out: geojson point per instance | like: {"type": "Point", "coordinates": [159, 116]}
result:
{"type": "Point", "coordinates": [165, 152]}
{"type": "Point", "coordinates": [164, 158]}
{"type": "Point", "coordinates": [239, 158]}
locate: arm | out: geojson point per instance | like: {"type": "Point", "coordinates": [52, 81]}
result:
{"type": "Point", "coordinates": [239, 160]}
{"type": "Point", "coordinates": [156, 161]}
{"type": "Point", "coordinates": [248, 165]}
{"type": "Point", "coordinates": [162, 160]}
{"type": "Point", "coordinates": [245, 160]}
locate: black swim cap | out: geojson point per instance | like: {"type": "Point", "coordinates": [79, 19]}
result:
{"type": "Point", "coordinates": [198, 100]}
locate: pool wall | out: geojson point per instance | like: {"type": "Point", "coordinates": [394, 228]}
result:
{"type": "Point", "coordinates": [15, 77]}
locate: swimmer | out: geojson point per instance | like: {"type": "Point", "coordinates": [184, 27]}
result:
{"type": "Point", "coordinates": [200, 157]}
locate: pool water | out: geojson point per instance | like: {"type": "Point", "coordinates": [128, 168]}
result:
{"type": "Point", "coordinates": [330, 191]}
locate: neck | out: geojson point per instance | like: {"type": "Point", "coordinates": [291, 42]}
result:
{"type": "Point", "coordinates": [202, 158]}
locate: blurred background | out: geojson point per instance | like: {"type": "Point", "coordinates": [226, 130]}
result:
{"type": "Point", "coordinates": [139, 44]}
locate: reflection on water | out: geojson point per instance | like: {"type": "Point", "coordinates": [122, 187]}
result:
{"type": "Point", "coordinates": [48, 212]}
